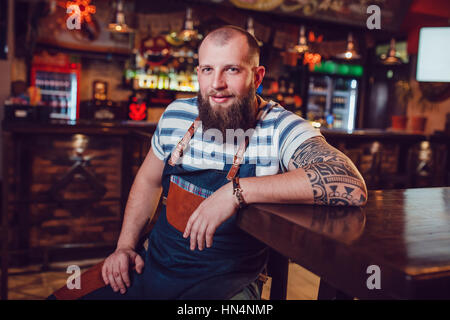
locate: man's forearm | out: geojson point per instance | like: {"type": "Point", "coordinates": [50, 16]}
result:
{"type": "Point", "coordinates": [319, 174]}
{"type": "Point", "coordinates": [304, 185]}
{"type": "Point", "coordinates": [289, 187]}
{"type": "Point", "coordinates": [141, 205]}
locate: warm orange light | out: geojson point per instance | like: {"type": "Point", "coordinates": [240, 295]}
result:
{"type": "Point", "coordinates": [312, 59]}
{"type": "Point", "coordinates": [86, 9]}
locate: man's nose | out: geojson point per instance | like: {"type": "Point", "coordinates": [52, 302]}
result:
{"type": "Point", "coordinates": [219, 81]}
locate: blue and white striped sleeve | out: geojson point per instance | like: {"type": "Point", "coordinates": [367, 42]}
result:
{"type": "Point", "coordinates": [173, 124]}
{"type": "Point", "coordinates": [292, 132]}
{"type": "Point", "coordinates": [157, 147]}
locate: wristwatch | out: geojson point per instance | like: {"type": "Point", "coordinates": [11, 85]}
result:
{"type": "Point", "coordinates": [237, 191]}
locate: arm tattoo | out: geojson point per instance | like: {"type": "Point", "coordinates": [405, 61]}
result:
{"type": "Point", "coordinates": [334, 178]}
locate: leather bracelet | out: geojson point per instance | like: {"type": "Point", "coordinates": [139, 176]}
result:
{"type": "Point", "coordinates": [237, 191]}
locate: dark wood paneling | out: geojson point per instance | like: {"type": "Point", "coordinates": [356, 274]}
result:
{"type": "Point", "coordinates": [69, 184]}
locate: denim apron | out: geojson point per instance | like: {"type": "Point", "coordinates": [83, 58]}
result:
{"type": "Point", "coordinates": [235, 258]}
{"type": "Point", "coordinates": [172, 270]}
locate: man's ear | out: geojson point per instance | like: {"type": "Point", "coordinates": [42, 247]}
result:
{"type": "Point", "coordinates": [260, 71]}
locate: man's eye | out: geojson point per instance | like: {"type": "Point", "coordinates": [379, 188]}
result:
{"type": "Point", "coordinates": [206, 69]}
{"type": "Point", "coordinates": [233, 70]}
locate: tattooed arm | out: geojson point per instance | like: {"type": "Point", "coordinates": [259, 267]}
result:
{"type": "Point", "coordinates": [333, 177]}
{"type": "Point", "coordinates": [318, 174]}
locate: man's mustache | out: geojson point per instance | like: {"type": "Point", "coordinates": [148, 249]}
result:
{"type": "Point", "coordinates": [219, 93]}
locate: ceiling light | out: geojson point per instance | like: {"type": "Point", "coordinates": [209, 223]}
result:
{"type": "Point", "coordinates": [391, 58]}
{"type": "Point", "coordinates": [302, 45]}
{"type": "Point", "coordinates": [189, 33]}
{"type": "Point", "coordinates": [251, 30]}
{"type": "Point", "coordinates": [350, 53]}
{"type": "Point", "coordinates": [119, 24]}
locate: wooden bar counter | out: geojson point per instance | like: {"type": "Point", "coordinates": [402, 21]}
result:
{"type": "Point", "coordinates": [403, 234]}
{"type": "Point", "coordinates": [67, 183]}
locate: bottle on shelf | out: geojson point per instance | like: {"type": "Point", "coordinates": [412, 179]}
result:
{"type": "Point", "coordinates": [173, 81]}
{"type": "Point", "coordinates": [45, 81]}
{"type": "Point", "coordinates": [44, 100]}
{"type": "Point", "coordinates": [54, 103]}
{"type": "Point", "coordinates": [64, 105]}
{"type": "Point", "coordinates": [195, 82]}
{"type": "Point", "coordinates": [289, 98]}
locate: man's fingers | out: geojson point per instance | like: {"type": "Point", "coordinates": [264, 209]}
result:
{"type": "Point", "coordinates": [192, 218]}
{"type": "Point", "coordinates": [112, 282]}
{"type": "Point", "coordinates": [139, 263]}
{"type": "Point", "coordinates": [201, 236]}
{"type": "Point", "coordinates": [123, 267]}
{"type": "Point", "coordinates": [104, 276]}
{"type": "Point", "coordinates": [118, 278]}
{"type": "Point", "coordinates": [209, 235]}
{"type": "Point", "coordinates": [193, 235]}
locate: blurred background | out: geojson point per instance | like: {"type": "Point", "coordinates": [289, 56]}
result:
{"type": "Point", "coordinates": [83, 84]}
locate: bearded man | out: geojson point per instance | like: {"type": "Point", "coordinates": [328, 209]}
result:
{"type": "Point", "coordinates": [196, 250]}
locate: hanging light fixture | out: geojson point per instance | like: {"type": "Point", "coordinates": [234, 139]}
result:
{"type": "Point", "coordinates": [119, 24]}
{"type": "Point", "coordinates": [251, 30]}
{"type": "Point", "coordinates": [189, 33]}
{"type": "Point", "coordinates": [302, 45]}
{"type": "Point", "coordinates": [350, 53]}
{"type": "Point", "coordinates": [391, 58]}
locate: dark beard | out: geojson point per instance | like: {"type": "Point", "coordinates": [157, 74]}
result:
{"type": "Point", "coordinates": [239, 115]}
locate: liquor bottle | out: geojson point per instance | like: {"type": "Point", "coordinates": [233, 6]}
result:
{"type": "Point", "coordinates": [166, 80]}
{"type": "Point", "coordinates": [67, 83]}
{"type": "Point", "coordinates": [39, 83]}
{"type": "Point", "coordinates": [282, 92]}
{"type": "Point", "coordinates": [195, 82]}
{"type": "Point", "coordinates": [44, 100]}
{"type": "Point", "coordinates": [289, 98]}
{"type": "Point", "coordinates": [51, 83]}
{"type": "Point", "coordinates": [173, 81]}
{"type": "Point", "coordinates": [56, 85]}
{"type": "Point", "coordinates": [54, 103]}
{"type": "Point", "coordinates": [45, 81]}
{"type": "Point", "coordinates": [63, 105]}
{"type": "Point", "coordinates": [283, 89]}
{"type": "Point", "coordinates": [182, 83]}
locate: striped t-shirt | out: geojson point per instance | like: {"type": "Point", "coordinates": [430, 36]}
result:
{"type": "Point", "coordinates": [277, 135]}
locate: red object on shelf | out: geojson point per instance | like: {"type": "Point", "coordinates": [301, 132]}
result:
{"type": "Point", "coordinates": [399, 122]}
{"type": "Point", "coordinates": [138, 111]}
{"type": "Point", "coordinates": [418, 123]}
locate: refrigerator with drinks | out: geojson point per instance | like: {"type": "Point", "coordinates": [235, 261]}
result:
{"type": "Point", "coordinates": [333, 100]}
{"type": "Point", "coordinates": [58, 79]}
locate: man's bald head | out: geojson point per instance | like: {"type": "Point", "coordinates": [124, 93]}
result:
{"type": "Point", "coordinates": [223, 35]}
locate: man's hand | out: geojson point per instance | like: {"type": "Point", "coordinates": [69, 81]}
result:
{"type": "Point", "coordinates": [209, 215]}
{"type": "Point", "coordinates": [115, 270]}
